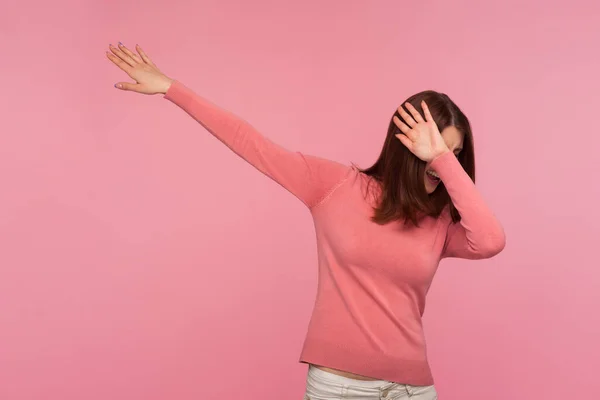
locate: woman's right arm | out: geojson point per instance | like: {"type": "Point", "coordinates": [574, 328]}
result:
{"type": "Point", "coordinates": [309, 178]}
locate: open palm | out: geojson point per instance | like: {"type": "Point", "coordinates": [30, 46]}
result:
{"type": "Point", "coordinates": [421, 136]}
{"type": "Point", "coordinates": [140, 68]}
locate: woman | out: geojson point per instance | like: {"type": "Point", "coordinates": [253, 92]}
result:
{"type": "Point", "coordinates": [381, 233]}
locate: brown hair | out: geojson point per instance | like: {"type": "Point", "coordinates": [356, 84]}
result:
{"type": "Point", "coordinates": [401, 174]}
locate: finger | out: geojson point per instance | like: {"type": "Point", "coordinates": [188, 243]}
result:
{"type": "Point", "coordinates": [122, 55]}
{"type": "Point", "coordinates": [131, 54]}
{"type": "Point", "coordinates": [401, 125]}
{"type": "Point", "coordinates": [414, 112]}
{"type": "Point", "coordinates": [144, 56]}
{"type": "Point", "coordinates": [426, 111]}
{"type": "Point", "coordinates": [405, 141]}
{"type": "Point", "coordinates": [409, 132]}
{"type": "Point", "coordinates": [128, 86]}
{"type": "Point", "coordinates": [119, 63]}
{"type": "Point", "coordinates": [406, 116]}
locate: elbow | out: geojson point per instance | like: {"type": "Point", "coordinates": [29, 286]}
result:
{"type": "Point", "coordinates": [492, 245]}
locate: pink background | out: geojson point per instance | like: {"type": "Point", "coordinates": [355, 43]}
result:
{"type": "Point", "coordinates": [140, 259]}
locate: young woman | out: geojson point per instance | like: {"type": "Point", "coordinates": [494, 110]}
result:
{"type": "Point", "coordinates": [381, 232]}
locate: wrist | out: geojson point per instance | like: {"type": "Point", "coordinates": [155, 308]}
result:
{"type": "Point", "coordinates": [439, 153]}
{"type": "Point", "coordinates": [166, 85]}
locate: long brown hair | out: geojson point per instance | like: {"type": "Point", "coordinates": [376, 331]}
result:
{"type": "Point", "coordinates": [401, 174]}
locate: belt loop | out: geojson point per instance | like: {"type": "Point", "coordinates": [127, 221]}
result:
{"type": "Point", "coordinates": [384, 390]}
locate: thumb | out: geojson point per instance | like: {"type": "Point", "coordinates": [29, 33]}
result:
{"type": "Point", "coordinates": [134, 87]}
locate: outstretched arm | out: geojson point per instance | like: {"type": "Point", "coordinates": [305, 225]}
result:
{"type": "Point", "coordinates": [307, 177]}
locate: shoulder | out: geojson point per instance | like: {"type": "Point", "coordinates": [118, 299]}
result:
{"type": "Point", "coordinates": [326, 170]}
{"type": "Point", "coordinates": [332, 176]}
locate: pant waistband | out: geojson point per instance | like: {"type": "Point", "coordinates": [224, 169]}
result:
{"type": "Point", "coordinates": [343, 380]}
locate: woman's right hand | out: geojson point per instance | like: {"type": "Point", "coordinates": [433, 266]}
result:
{"type": "Point", "coordinates": [148, 78]}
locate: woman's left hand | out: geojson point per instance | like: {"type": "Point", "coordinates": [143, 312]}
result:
{"type": "Point", "coordinates": [420, 136]}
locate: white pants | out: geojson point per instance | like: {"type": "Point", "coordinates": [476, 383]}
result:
{"type": "Point", "coordinates": [323, 385]}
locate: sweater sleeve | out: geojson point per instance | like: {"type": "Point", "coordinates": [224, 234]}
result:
{"type": "Point", "coordinates": [478, 234]}
{"type": "Point", "coordinates": [307, 177]}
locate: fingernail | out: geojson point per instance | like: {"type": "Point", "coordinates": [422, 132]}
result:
{"type": "Point", "coordinates": [120, 44]}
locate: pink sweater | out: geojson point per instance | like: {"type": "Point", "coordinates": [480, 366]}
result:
{"type": "Point", "coordinates": [372, 279]}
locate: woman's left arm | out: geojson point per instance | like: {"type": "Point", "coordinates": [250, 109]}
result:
{"type": "Point", "coordinates": [479, 234]}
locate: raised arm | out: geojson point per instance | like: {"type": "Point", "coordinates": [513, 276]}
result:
{"type": "Point", "coordinates": [479, 234]}
{"type": "Point", "coordinates": [307, 177]}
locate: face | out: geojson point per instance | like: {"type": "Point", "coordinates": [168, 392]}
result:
{"type": "Point", "coordinates": [454, 141]}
